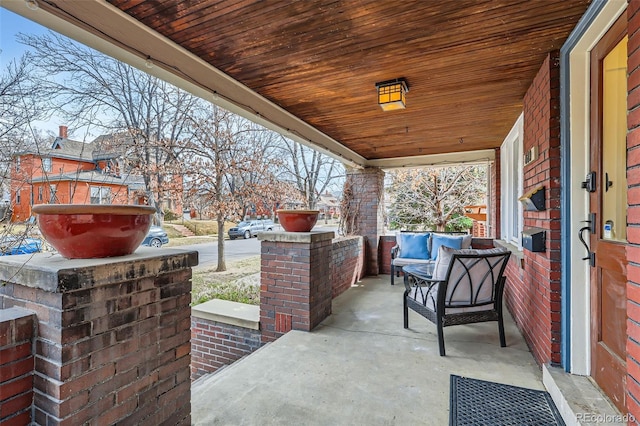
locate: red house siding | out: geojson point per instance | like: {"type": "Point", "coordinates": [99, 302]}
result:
{"type": "Point", "coordinates": [67, 191]}
{"type": "Point", "coordinates": [533, 294]}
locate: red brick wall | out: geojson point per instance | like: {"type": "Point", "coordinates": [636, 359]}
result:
{"type": "Point", "coordinates": [387, 242]}
{"type": "Point", "coordinates": [633, 213]}
{"type": "Point", "coordinates": [479, 229]}
{"type": "Point", "coordinates": [16, 366]}
{"type": "Point", "coordinates": [368, 190]}
{"type": "Point", "coordinates": [295, 284]}
{"type": "Point", "coordinates": [347, 263]}
{"type": "Point", "coordinates": [215, 345]}
{"type": "Point", "coordinates": [535, 302]}
{"type": "Point", "coordinates": [285, 295]}
{"type": "Point", "coordinates": [113, 343]}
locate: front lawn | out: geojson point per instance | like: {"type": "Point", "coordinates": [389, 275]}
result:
{"type": "Point", "coordinates": [239, 283]}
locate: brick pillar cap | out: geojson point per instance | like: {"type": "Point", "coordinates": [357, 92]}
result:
{"type": "Point", "coordinates": [296, 237]}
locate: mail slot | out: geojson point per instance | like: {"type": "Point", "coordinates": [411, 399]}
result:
{"type": "Point", "coordinates": [533, 239]}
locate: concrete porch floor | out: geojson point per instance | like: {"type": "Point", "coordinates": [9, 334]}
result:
{"type": "Point", "coordinates": [360, 366]}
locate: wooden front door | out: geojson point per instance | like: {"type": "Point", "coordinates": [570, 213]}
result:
{"type": "Point", "coordinates": [608, 201]}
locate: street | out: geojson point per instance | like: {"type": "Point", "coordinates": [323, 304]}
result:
{"type": "Point", "coordinates": [233, 250]}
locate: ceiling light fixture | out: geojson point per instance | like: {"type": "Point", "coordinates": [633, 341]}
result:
{"type": "Point", "coordinates": [148, 63]}
{"type": "Point", "coordinates": [391, 94]}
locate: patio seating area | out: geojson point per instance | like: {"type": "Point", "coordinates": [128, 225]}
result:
{"type": "Point", "coordinates": [360, 366]}
{"type": "Point", "coordinates": [463, 287]}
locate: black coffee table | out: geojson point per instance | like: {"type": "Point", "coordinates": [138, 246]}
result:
{"type": "Point", "coordinates": [419, 275]}
{"type": "Point", "coordinates": [422, 271]}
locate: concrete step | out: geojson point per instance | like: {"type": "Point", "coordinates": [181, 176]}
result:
{"type": "Point", "coordinates": [186, 232]}
{"type": "Point", "coordinates": [579, 400]}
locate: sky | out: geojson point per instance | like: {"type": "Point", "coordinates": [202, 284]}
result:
{"type": "Point", "coordinates": [10, 25]}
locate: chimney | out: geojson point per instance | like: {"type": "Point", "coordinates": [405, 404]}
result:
{"type": "Point", "coordinates": [63, 132]}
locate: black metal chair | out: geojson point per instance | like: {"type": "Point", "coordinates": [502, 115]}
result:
{"type": "Point", "coordinates": [466, 287]}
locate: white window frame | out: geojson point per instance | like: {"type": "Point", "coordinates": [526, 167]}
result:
{"type": "Point", "coordinates": [102, 194]}
{"type": "Point", "coordinates": [46, 164]}
{"type": "Point", "coordinates": [53, 193]}
{"type": "Point", "coordinates": [511, 179]}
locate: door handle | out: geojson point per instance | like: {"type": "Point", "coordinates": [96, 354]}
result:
{"type": "Point", "coordinates": [591, 256]}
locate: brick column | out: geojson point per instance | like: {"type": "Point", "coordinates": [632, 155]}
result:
{"type": "Point", "coordinates": [368, 192]}
{"type": "Point", "coordinates": [113, 335]}
{"type": "Point", "coordinates": [295, 284]}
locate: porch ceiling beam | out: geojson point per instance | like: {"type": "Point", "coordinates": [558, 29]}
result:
{"type": "Point", "coordinates": [448, 159]}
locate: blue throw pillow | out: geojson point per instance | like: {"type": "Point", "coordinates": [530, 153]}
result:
{"type": "Point", "coordinates": [414, 246]}
{"type": "Point", "coordinates": [437, 240]}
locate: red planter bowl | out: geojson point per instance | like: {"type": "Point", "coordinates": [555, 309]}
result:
{"type": "Point", "coordinates": [297, 220]}
{"type": "Point", "coordinates": [84, 231]}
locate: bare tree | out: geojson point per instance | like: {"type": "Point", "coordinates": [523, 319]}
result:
{"type": "Point", "coordinates": [434, 197]}
{"type": "Point", "coordinates": [231, 166]}
{"type": "Point", "coordinates": [22, 100]}
{"type": "Point", "coordinates": [309, 171]}
{"type": "Point", "coordinates": [150, 117]}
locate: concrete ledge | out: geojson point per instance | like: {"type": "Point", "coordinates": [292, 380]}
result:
{"type": "Point", "coordinates": [578, 399]}
{"type": "Point", "coordinates": [515, 251]}
{"type": "Point", "coordinates": [296, 237]}
{"type": "Point", "coordinates": [14, 313]}
{"type": "Point", "coordinates": [55, 273]}
{"type": "Point", "coordinates": [233, 313]}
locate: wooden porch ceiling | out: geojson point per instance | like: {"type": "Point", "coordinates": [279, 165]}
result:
{"type": "Point", "coordinates": [468, 63]}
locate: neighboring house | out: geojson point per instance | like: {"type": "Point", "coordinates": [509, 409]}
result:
{"type": "Point", "coordinates": [329, 205]}
{"type": "Point", "coordinates": [166, 184]}
{"type": "Point", "coordinates": [71, 172]}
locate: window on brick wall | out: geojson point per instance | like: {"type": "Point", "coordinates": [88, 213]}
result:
{"type": "Point", "coordinates": [511, 185]}
{"type": "Point", "coordinates": [53, 191]}
{"type": "Point", "coordinates": [100, 195]}
{"type": "Point", "coordinates": [46, 164]}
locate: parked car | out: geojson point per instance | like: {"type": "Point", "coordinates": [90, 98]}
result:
{"type": "Point", "coordinates": [16, 245]}
{"type": "Point", "coordinates": [250, 228]}
{"type": "Point", "coordinates": [156, 237]}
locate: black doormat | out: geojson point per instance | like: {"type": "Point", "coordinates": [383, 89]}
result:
{"type": "Point", "coordinates": [482, 403]}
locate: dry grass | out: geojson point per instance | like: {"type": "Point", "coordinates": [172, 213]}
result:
{"type": "Point", "coordinates": [202, 227]}
{"type": "Point", "coordinates": [183, 241]}
{"type": "Point", "coordinates": [238, 283]}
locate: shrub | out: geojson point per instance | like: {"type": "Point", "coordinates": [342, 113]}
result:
{"type": "Point", "coordinates": [169, 215]}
